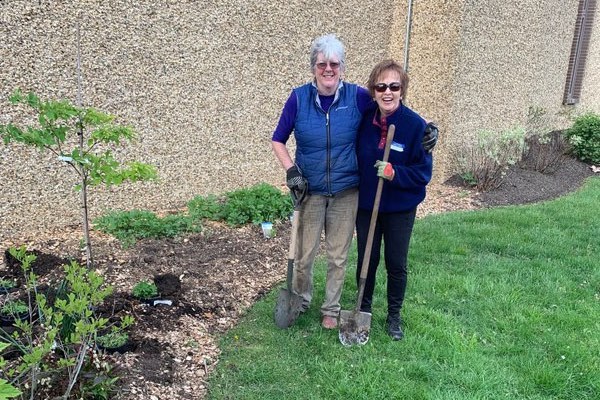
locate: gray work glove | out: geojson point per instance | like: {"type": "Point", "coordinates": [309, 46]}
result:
{"type": "Point", "coordinates": [431, 137]}
{"type": "Point", "coordinates": [294, 179]}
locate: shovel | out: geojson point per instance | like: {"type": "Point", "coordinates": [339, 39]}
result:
{"type": "Point", "coordinates": [289, 304]}
{"type": "Point", "coordinates": [356, 325]}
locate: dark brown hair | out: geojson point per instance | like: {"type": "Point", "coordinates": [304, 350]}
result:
{"type": "Point", "coordinates": [380, 68]}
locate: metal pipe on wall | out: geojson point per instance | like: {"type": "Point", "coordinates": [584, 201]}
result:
{"type": "Point", "coordinates": [407, 36]}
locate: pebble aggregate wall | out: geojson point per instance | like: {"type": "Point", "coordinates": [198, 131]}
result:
{"type": "Point", "coordinates": [590, 95]}
{"type": "Point", "coordinates": [432, 63]}
{"type": "Point", "coordinates": [500, 58]}
{"type": "Point", "coordinates": [202, 82]}
{"type": "Point", "coordinates": [480, 64]}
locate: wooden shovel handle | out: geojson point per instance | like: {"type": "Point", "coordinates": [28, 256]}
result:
{"type": "Point", "coordinates": [367, 255]}
{"type": "Point", "coordinates": [292, 251]}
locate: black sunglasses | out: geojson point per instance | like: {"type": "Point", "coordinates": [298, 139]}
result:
{"type": "Point", "coordinates": [382, 87]}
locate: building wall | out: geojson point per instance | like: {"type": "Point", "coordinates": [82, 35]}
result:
{"type": "Point", "coordinates": [512, 56]}
{"type": "Point", "coordinates": [203, 83]}
{"type": "Point", "coordinates": [590, 95]}
{"type": "Point", "coordinates": [435, 35]}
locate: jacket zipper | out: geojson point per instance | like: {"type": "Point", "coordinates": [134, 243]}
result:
{"type": "Point", "coordinates": [327, 127]}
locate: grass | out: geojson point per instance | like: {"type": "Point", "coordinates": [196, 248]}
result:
{"type": "Point", "coordinates": [501, 304]}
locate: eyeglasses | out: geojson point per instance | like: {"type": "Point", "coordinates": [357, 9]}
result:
{"type": "Point", "coordinates": [323, 65]}
{"type": "Point", "coordinates": [382, 87]}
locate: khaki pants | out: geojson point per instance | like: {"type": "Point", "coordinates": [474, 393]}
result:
{"type": "Point", "coordinates": [337, 215]}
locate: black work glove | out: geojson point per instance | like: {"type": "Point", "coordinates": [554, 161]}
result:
{"type": "Point", "coordinates": [294, 179]}
{"type": "Point", "coordinates": [431, 137]}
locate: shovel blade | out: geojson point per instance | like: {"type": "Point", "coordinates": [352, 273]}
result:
{"type": "Point", "coordinates": [287, 308]}
{"type": "Point", "coordinates": [354, 327]}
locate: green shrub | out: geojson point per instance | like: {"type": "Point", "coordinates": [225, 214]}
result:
{"type": "Point", "coordinates": [259, 203]}
{"type": "Point", "coordinates": [113, 339]}
{"type": "Point", "coordinates": [256, 204]}
{"type": "Point", "coordinates": [584, 137]}
{"type": "Point", "coordinates": [205, 207]}
{"type": "Point", "coordinates": [14, 307]}
{"type": "Point", "coordinates": [486, 160]}
{"type": "Point", "coordinates": [43, 348]}
{"type": "Point", "coordinates": [145, 290]}
{"type": "Point", "coordinates": [545, 148]}
{"type": "Point", "coordinates": [129, 226]}
{"type": "Point", "coordinates": [7, 283]}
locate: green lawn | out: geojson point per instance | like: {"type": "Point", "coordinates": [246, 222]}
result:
{"type": "Point", "coordinates": [501, 304]}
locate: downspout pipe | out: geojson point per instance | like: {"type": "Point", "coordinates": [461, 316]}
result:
{"type": "Point", "coordinates": [407, 36]}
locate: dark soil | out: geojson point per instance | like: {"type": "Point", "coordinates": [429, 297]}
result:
{"type": "Point", "coordinates": [211, 278]}
{"type": "Point", "coordinates": [524, 185]}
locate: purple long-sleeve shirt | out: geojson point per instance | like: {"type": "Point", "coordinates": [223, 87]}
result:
{"type": "Point", "coordinates": [285, 126]}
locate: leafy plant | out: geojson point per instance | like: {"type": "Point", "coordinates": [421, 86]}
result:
{"type": "Point", "coordinates": [486, 159]}
{"type": "Point", "coordinates": [14, 307]}
{"type": "Point", "coordinates": [7, 283]}
{"type": "Point", "coordinates": [205, 207]}
{"type": "Point", "coordinates": [7, 390]}
{"type": "Point", "coordinates": [584, 137]}
{"type": "Point", "coordinates": [45, 351]}
{"type": "Point", "coordinates": [469, 178]}
{"type": "Point", "coordinates": [112, 339]}
{"type": "Point", "coordinates": [103, 386]}
{"type": "Point", "coordinates": [545, 149]}
{"type": "Point", "coordinates": [256, 204]}
{"type": "Point", "coordinates": [81, 137]}
{"type": "Point", "coordinates": [129, 226]}
{"type": "Point", "coordinates": [145, 290]}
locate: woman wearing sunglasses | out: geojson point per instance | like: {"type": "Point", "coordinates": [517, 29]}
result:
{"type": "Point", "coordinates": [406, 174]}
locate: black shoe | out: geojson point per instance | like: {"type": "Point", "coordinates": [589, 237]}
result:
{"type": "Point", "coordinates": [394, 327]}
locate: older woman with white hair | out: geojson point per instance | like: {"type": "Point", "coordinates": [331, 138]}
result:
{"type": "Point", "coordinates": [324, 116]}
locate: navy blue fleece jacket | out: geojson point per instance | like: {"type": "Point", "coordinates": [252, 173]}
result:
{"type": "Point", "coordinates": [412, 165]}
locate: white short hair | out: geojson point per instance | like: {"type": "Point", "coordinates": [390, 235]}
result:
{"type": "Point", "coordinates": [329, 45]}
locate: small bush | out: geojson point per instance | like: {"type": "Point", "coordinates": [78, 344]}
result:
{"type": "Point", "coordinates": [545, 153]}
{"type": "Point", "coordinates": [545, 149]}
{"type": "Point", "coordinates": [584, 137]}
{"type": "Point", "coordinates": [485, 160]}
{"type": "Point", "coordinates": [205, 207]}
{"type": "Point", "coordinates": [259, 203]}
{"type": "Point", "coordinates": [14, 307]}
{"type": "Point", "coordinates": [113, 339]}
{"type": "Point", "coordinates": [129, 226]}
{"type": "Point", "coordinates": [256, 204]}
{"type": "Point", "coordinates": [7, 283]}
{"type": "Point", "coordinates": [145, 290]}
{"type": "Point", "coordinates": [62, 358]}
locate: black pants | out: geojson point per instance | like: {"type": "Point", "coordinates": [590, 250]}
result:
{"type": "Point", "coordinates": [395, 229]}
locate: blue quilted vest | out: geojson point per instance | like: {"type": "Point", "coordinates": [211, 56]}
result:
{"type": "Point", "coordinates": [326, 142]}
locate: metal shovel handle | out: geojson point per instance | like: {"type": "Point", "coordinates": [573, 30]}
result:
{"type": "Point", "coordinates": [367, 255]}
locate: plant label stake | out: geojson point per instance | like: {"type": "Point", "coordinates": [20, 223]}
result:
{"type": "Point", "coordinates": [356, 325]}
